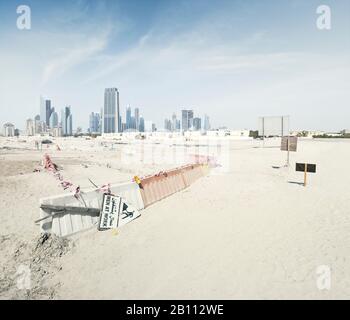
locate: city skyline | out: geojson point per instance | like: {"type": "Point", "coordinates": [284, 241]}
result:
{"type": "Point", "coordinates": [240, 60]}
{"type": "Point", "coordinates": [48, 121]}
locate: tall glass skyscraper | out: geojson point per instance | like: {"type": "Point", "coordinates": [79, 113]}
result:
{"type": "Point", "coordinates": [67, 122]}
{"type": "Point", "coordinates": [54, 120]}
{"type": "Point", "coordinates": [45, 110]}
{"type": "Point", "coordinates": [94, 123]}
{"type": "Point", "coordinates": [111, 116]}
{"type": "Point", "coordinates": [137, 119]}
{"type": "Point", "coordinates": [128, 117]}
{"type": "Point", "coordinates": [187, 120]}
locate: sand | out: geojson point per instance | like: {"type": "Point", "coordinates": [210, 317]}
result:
{"type": "Point", "coordinates": [251, 232]}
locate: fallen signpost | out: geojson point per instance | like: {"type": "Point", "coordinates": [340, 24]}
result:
{"type": "Point", "coordinates": [55, 209]}
{"type": "Point", "coordinates": [115, 212]}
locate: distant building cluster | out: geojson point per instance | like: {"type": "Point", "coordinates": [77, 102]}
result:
{"type": "Point", "coordinates": [109, 120]}
{"type": "Point", "coordinates": [49, 122]}
{"type": "Point", "coordinates": [187, 123]}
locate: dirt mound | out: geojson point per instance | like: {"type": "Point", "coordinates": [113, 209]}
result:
{"type": "Point", "coordinates": [29, 266]}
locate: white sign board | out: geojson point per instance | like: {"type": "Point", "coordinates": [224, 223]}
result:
{"type": "Point", "coordinates": [115, 212]}
{"type": "Point", "coordinates": [111, 207]}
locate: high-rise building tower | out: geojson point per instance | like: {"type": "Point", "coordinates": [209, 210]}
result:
{"type": "Point", "coordinates": [206, 123]}
{"type": "Point", "coordinates": [167, 125]}
{"type": "Point", "coordinates": [197, 124]}
{"type": "Point", "coordinates": [94, 123]}
{"type": "Point", "coordinates": [137, 119]}
{"type": "Point", "coordinates": [111, 117]}
{"type": "Point", "coordinates": [45, 110]}
{"type": "Point", "coordinates": [67, 121]}
{"type": "Point", "coordinates": [142, 124]}
{"type": "Point", "coordinates": [187, 120]}
{"type": "Point", "coordinates": [54, 120]}
{"type": "Point", "coordinates": [30, 129]}
{"type": "Point", "coordinates": [173, 122]}
{"type": "Point", "coordinates": [128, 118]}
{"type": "Point", "coordinates": [70, 125]}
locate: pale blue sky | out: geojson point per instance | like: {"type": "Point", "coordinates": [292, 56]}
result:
{"type": "Point", "coordinates": [234, 60]}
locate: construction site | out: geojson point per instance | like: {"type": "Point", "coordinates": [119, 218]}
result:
{"type": "Point", "coordinates": [156, 218]}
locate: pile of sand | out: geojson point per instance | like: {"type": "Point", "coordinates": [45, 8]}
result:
{"type": "Point", "coordinates": [29, 265]}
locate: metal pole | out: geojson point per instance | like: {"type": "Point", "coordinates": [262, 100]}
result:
{"type": "Point", "coordinates": [288, 151]}
{"type": "Point", "coordinates": [263, 127]}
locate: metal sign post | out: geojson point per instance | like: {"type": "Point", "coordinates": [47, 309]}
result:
{"type": "Point", "coordinates": [289, 144]}
{"type": "Point", "coordinates": [288, 152]}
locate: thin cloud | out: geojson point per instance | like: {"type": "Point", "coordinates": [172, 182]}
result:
{"type": "Point", "coordinates": [72, 57]}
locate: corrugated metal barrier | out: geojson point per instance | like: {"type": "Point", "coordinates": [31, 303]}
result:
{"type": "Point", "coordinates": [159, 186]}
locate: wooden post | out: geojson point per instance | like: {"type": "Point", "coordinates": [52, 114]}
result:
{"type": "Point", "coordinates": [305, 174]}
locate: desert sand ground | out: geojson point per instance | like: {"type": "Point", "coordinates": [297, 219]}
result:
{"type": "Point", "coordinates": [251, 232]}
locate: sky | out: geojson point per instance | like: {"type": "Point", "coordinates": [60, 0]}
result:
{"type": "Point", "coordinates": [234, 60]}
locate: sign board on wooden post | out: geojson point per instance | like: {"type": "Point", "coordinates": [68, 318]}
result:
{"type": "Point", "coordinates": [305, 167]}
{"type": "Point", "coordinates": [309, 167]}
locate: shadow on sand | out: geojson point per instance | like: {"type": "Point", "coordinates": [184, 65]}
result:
{"type": "Point", "coordinates": [298, 183]}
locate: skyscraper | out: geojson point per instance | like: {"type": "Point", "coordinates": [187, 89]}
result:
{"type": "Point", "coordinates": [187, 120]}
{"type": "Point", "coordinates": [54, 120]}
{"type": "Point", "coordinates": [173, 122]}
{"type": "Point", "coordinates": [197, 124]}
{"type": "Point", "coordinates": [142, 124]}
{"type": "Point", "coordinates": [45, 110]}
{"type": "Point", "coordinates": [111, 117]}
{"type": "Point", "coordinates": [128, 118]}
{"type": "Point", "coordinates": [94, 123]}
{"type": "Point", "coordinates": [67, 121]}
{"type": "Point", "coordinates": [70, 125]}
{"type": "Point", "coordinates": [206, 123]}
{"type": "Point", "coordinates": [30, 128]}
{"type": "Point", "coordinates": [137, 119]}
{"type": "Point", "coordinates": [167, 125]}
